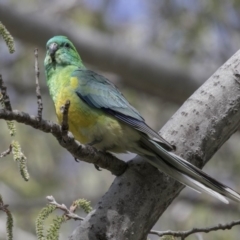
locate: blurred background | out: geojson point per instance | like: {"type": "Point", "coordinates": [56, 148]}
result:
{"type": "Point", "coordinates": [157, 53]}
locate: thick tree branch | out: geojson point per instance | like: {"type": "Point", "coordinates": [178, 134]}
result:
{"type": "Point", "coordinates": [146, 69]}
{"type": "Point", "coordinates": [138, 198]}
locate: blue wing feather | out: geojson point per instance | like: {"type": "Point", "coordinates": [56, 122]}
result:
{"type": "Point", "coordinates": [98, 92]}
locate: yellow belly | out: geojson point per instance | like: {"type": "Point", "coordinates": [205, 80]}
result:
{"type": "Point", "coordinates": [81, 118]}
{"type": "Point", "coordinates": [90, 125]}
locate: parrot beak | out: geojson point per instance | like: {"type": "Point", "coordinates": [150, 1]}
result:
{"type": "Point", "coordinates": [52, 50]}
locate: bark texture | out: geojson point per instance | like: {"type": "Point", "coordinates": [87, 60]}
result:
{"type": "Point", "coordinates": [198, 129]}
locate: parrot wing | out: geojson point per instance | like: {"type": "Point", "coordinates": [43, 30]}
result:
{"type": "Point", "coordinates": [98, 92]}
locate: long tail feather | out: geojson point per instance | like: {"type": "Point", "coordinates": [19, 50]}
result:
{"type": "Point", "coordinates": [186, 173]}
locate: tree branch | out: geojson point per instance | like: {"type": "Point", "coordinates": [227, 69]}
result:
{"type": "Point", "coordinates": [70, 214]}
{"type": "Point", "coordinates": [148, 70]}
{"type": "Point", "coordinates": [137, 199]}
{"type": "Point", "coordinates": [84, 152]}
{"type": "Point", "coordinates": [64, 124]}
{"type": "Point", "coordinates": [4, 94]}
{"type": "Point", "coordinates": [38, 91]}
{"type": "Point", "coordinates": [184, 234]}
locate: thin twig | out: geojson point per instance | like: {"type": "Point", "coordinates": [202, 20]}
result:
{"type": "Point", "coordinates": [184, 234]}
{"type": "Point", "coordinates": [69, 213]}
{"type": "Point", "coordinates": [38, 91]}
{"type": "Point", "coordinates": [64, 124]}
{"type": "Point", "coordinates": [5, 153]}
{"type": "Point", "coordinates": [5, 96]}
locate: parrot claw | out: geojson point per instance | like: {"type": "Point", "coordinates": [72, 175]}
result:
{"type": "Point", "coordinates": [76, 160]}
{"type": "Point", "coordinates": [97, 167]}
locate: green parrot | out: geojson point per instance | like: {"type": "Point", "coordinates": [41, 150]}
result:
{"type": "Point", "coordinates": [99, 115]}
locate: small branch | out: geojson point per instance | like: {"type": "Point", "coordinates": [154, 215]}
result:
{"type": "Point", "coordinates": [68, 212]}
{"type": "Point", "coordinates": [184, 234]}
{"type": "Point", "coordinates": [5, 96]}
{"type": "Point", "coordinates": [5, 103]}
{"type": "Point", "coordinates": [5, 153]}
{"type": "Point", "coordinates": [64, 124]}
{"type": "Point", "coordinates": [38, 92]}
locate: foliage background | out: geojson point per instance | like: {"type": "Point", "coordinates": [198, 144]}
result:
{"type": "Point", "coordinates": [199, 35]}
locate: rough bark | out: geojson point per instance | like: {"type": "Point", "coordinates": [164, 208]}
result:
{"type": "Point", "coordinates": [138, 198]}
{"type": "Point", "coordinates": [149, 70]}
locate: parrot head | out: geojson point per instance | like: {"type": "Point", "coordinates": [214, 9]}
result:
{"type": "Point", "coordinates": [61, 52]}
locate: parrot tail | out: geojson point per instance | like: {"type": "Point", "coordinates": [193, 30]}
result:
{"type": "Point", "coordinates": [186, 173]}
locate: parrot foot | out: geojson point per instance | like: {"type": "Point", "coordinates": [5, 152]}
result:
{"type": "Point", "coordinates": [97, 167]}
{"type": "Point", "coordinates": [76, 160]}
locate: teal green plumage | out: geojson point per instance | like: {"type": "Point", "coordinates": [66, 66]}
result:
{"type": "Point", "coordinates": [100, 115]}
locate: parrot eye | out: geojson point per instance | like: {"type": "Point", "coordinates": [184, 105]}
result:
{"type": "Point", "coordinates": [67, 45]}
